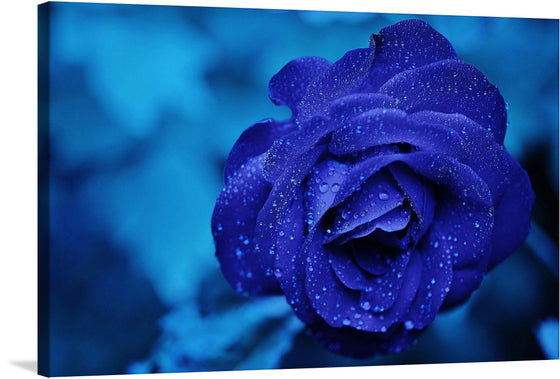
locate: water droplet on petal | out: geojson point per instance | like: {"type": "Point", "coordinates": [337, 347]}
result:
{"type": "Point", "coordinates": [383, 196]}
{"type": "Point", "coordinates": [324, 187]}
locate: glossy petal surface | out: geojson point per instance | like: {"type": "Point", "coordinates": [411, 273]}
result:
{"type": "Point", "coordinates": [233, 228]}
{"type": "Point", "coordinates": [288, 86]}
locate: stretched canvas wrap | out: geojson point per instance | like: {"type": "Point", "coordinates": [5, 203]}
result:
{"type": "Point", "coordinates": [227, 189]}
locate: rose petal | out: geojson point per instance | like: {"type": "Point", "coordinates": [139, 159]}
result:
{"type": "Point", "coordinates": [442, 170]}
{"type": "Point", "coordinates": [464, 212]}
{"type": "Point", "coordinates": [350, 106]}
{"type": "Point", "coordinates": [465, 281]}
{"type": "Point", "coordinates": [254, 141]}
{"type": "Point", "coordinates": [392, 221]}
{"type": "Point", "coordinates": [458, 239]}
{"type": "Point", "coordinates": [355, 134]}
{"type": "Point", "coordinates": [399, 241]}
{"type": "Point", "coordinates": [405, 45]}
{"type": "Point", "coordinates": [383, 294]}
{"type": "Point", "coordinates": [233, 228]}
{"type": "Point", "coordinates": [420, 193]}
{"type": "Point", "coordinates": [340, 305]}
{"type": "Point", "coordinates": [345, 267]}
{"type": "Point", "coordinates": [457, 178]}
{"type": "Point", "coordinates": [371, 257]}
{"type": "Point", "coordinates": [512, 214]}
{"type": "Point", "coordinates": [407, 293]}
{"type": "Point", "coordinates": [347, 341]}
{"type": "Point", "coordinates": [464, 227]}
{"type": "Point", "coordinates": [288, 264]}
{"type": "Point", "coordinates": [382, 126]}
{"type": "Point", "coordinates": [285, 152]}
{"type": "Point", "coordinates": [285, 192]}
{"type": "Point", "coordinates": [336, 304]}
{"type": "Point", "coordinates": [465, 230]}
{"type": "Point", "coordinates": [341, 79]}
{"type": "Point", "coordinates": [378, 196]}
{"type": "Point", "coordinates": [360, 344]}
{"type": "Point", "coordinates": [483, 154]}
{"type": "Point", "coordinates": [450, 86]}
{"type": "Point", "coordinates": [322, 186]}
{"type": "Point", "coordinates": [288, 86]}
{"type": "Point", "coordinates": [436, 276]}
{"type": "Point", "coordinates": [361, 171]}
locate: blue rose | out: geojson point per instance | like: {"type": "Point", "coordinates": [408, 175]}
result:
{"type": "Point", "coordinates": [385, 198]}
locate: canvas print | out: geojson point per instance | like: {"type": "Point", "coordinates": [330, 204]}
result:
{"type": "Point", "coordinates": [231, 189]}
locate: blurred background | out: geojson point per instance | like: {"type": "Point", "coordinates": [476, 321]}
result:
{"type": "Point", "coordinates": [145, 103]}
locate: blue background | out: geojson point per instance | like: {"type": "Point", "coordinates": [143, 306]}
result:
{"type": "Point", "coordinates": [145, 103]}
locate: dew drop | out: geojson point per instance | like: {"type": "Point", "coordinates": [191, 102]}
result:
{"type": "Point", "coordinates": [335, 187]}
{"type": "Point", "coordinates": [408, 325]}
{"type": "Point", "coordinates": [324, 187]}
{"type": "Point", "coordinates": [383, 196]}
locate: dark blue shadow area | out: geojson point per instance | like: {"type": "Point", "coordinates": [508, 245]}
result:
{"type": "Point", "coordinates": [145, 102]}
